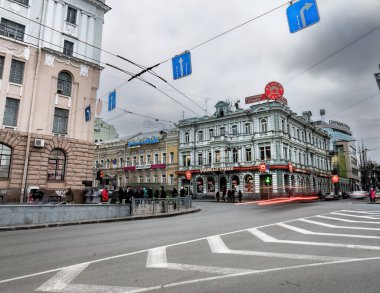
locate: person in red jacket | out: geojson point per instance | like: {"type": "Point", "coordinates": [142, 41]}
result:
{"type": "Point", "coordinates": [105, 195]}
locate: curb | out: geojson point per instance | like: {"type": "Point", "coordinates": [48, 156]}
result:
{"type": "Point", "coordinates": [130, 218]}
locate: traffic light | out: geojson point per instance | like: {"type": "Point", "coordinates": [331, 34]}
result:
{"type": "Point", "coordinates": [268, 180]}
{"type": "Point", "coordinates": [99, 175]}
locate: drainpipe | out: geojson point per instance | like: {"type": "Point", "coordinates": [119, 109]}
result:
{"type": "Point", "coordinates": [31, 113]}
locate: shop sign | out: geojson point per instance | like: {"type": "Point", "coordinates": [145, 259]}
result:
{"type": "Point", "coordinates": [216, 169]}
{"type": "Point", "coordinates": [188, 175]}
{"type": "Point", "coordinates": [263, 97]}
{"type": "Point", "coordinates": [151, 140]}
{"type": "Point", "coordinates": [144, 166]}
{"type": "Point", "coordinates": [263, 168]}
{"type": "Point", "coordinates": [274, 90]}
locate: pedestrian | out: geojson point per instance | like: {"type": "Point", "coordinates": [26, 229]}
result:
{"type": "Point", "coordinates": [145, 192]}
{"type": "Point", "coordinates": [224, 195]}
{"type": "Point", "coordinates": [229, 195]}
{"type": "Point", "coordinates": [120, 195]}
{"type": "Point", "coordinates": [156, 193]}
{"type": "Point", "coordinates": [105, 195]}
{"type": "Point", "coordinates": [217, 194]}
{"type": "Point", "coordinates": [163, 193]}
{"type": "Point", "coordinates": [150, 192]}
{"type": "Point", "coordinates": [240, 195]}
{"type": "Point", "coordinates": [174, 192]}
{"type": "Point", "coordinates": [372, 195]}
{"type": "Point", "coordinates": [69, 195]}
{"type": "Point", "coordinates": [182, 192]}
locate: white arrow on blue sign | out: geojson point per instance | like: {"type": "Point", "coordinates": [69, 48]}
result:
{"type": "Point", "coordinates": [181, 65]}
{"type": "Point", "coordinates": [302, 14]}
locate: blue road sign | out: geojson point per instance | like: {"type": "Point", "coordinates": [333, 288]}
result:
{"type": "Point", "coordinates": [181, 65]}
{"type": "Point", "coordinates": [301, 14]}
{"type": "Point", "coordinates": [112, 101]}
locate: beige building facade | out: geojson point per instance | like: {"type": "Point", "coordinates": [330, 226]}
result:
{"type": "Point", "coordinates": [47, 94]}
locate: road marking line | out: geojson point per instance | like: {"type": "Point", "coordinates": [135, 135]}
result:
{"type": "Point", "coordinates": [60, 280]}
{"type": "Point", "coordinates": [218, 246]}
{"type": "Point", "coordinates": [266, 238]}
{"type": "Point", "coordinates": [355, 216]}
{"type": "Point", "coordinates": [308, 232]}
{"type": "Point", "coordinates": [338, 227]}
{"type": "Point", "coordinates": [362, 212]}
{"type": "Point", "coordinates": [157, 259]}
{"type": "Point", "coordinates": [346, 220]}
{"type": "Point", "coordinates": [297, 267]}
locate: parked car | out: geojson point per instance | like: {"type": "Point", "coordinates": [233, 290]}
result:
{"type": "Point", "coordinates": [359, 194]}
{"type": "Point", "coordinates": [332, 196]}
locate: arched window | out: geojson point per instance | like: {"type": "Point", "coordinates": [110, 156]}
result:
{"type": "Point", "coordinates": [64, 83]}
{"type": "Point", "coordinates": [57, 164]}
{"type": "Point", "coordinates": [263, 125]}
{"type": "Point", "coordinates": [5, 160]}
{"type": "Point", "coordinates": [187, 137]}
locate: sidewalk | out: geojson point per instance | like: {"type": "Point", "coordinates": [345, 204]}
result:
{"type": "Point", "coordinates": [193, 209]}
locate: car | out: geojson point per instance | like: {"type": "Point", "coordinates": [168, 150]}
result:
{"type": "Point", "coordinates": [359, 194]}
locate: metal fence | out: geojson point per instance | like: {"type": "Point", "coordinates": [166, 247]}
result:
{"type": "Point", "coordinates": [152, 206]}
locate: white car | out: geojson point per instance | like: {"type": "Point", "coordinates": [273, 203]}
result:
{"type": "Point", "coordinates": [359, 194]}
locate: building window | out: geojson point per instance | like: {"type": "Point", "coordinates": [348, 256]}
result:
{"type": "Point", "coordinates": [163, 158]}
{"type": "Point", "coordinates": [121, 162]}
{"type": "Point", "coordinates": [187, 137]}
{"type": "Point", "coordinates": [155, 158]}
{"type": "Point", "coordinates": [298, 134]}
{"type": "Point", "coordinates": [217, 156]}
{"type": "Point", "coordinates": [61, 118]}
{"type": "Point", "coordinates": [186, 159]}
{"type": "Point", "coordinates": [200, 135]}
{"type": "Point", "coordinates": [56, 167]}
{"type": "Point", "coordinates": [223, 131]}
{"type": "Point", "coordinates": [127, 162]}
{"type": "Point", "coordinates": [11, 112]}
{"type": "Point", "coordinates": [282, 125]}
{"type": "Point", "coordinates": [248, 154]}
{"type": "Point", "coordinates": [200, 159]}
{"type": "Point", "coordinates": [148, 159]}
{"type": "Point", "coordinates": [247, 128]}
{"type": "Point", "coordinates": [265, 152]}
{"type": "Point", "coordinates": [134, 161]}
{"type": "Point", "coordinates": [64, 84]}
{"type": "Point", "coordinates": [71, 15]}
{"type": "Point", "coordinates": [17, 72]}
{"type": "Point", "coordinates": [235, 155]}
{"type": "Point", "coordinates": [263, 125]}
{"type": "Point", "coordinates": [211, 133]}
{"type": "Point", "coordinates": [68, 48]}
{"type": "Point", "coordinates": [5, 160]}
{"type": "Point", "coordinates": [141, 161]}
{"type": "Point", "coordinates": [171, 179]}
{"type": "Point", "coordinates": [155, 179]}
{"type": "Point", "coordinates": [171, 158]}
{"type": "Point", "coordinates": [12, 29]}
{"type": "Point", "coordinates": [141, 179]}
{"type": "Point", "coordinates": [24, 2]}
{"type": "Point", "coordinates": [234, 130]}
{"type": "Point", "coordinates": [163, 178]}
{"type": "Point", "coordinates": [1, 66]}
{"type": "Point", "coordinates": [209, 157]}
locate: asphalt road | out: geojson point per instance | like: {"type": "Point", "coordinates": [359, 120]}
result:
{"type": "Point", "coordinates": [300, 247]}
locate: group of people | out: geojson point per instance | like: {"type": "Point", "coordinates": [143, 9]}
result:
{"type": "Point", "coordinates": [229, 195]}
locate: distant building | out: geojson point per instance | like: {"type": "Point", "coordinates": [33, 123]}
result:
{"type": "Point", "coordinates": [49, 75]}
{"type": "Point", "coordinates": [104, 131]}
{"type": "Point", "coordinates": [144, 159]}
{"type": "Point", "coordinates": [343, 152]}
{"type": "Point", "coordinates": [266, 150]}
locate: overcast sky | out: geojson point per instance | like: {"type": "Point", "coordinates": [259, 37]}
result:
{"type": "Point", "coordinates": [329, 65]}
